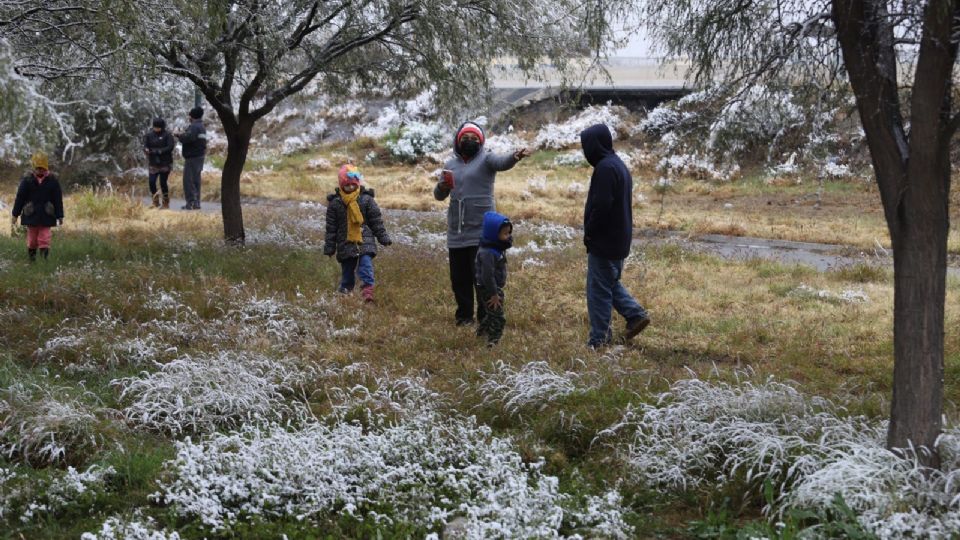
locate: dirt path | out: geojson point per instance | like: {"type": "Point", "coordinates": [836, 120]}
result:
{"type": "Point", "coordinates": [822, 257]}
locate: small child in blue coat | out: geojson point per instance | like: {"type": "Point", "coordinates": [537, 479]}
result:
{"type": "Point", "coordinates": [491, 274]}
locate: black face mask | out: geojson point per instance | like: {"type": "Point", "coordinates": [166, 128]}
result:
{"type": "Point", "coordinates": [469, 148]}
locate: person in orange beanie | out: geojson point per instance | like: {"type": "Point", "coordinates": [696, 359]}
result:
{"type": "Point", "coordinates": [39, 206]}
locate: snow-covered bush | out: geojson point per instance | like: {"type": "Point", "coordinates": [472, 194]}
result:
{"type": "Point", "coordinates": [420, 109]}
{"type": "Point", "coordinates": [424, 468]}
{"type": "Point", "coordinates": [573, 158]}
{"type": "Point", "coordinates": [659, 121]}
{"type": "Point", "coordinates": [203, 393]}
{"type": "Point", "coordinates": [42, 425]}
{"type": "Point", "coordinates": [417, 140]}
{"type": "Point", "coordinates": [136, 527]}
{"type": "Point", "coordinates": [696, 166]}
{"type": "Point", "coordinates": [533, 385]}
{"type": "Point", "coordinates": [567, 133]}
{"type": "Point", "coordinates": [845, 296]}
{"type": "Point", "coordinates": [701, 434]}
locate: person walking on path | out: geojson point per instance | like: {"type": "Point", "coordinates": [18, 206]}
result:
{"type": "Point", "coordinates": [467, 179]}
{"type": "Point", "coordinates": [354, 221]}
{"type": "Point", "coordinates": [607, 234]}
{"type": "Point", "coordinates": [158, 146]}
{"type": "Point", "coordinates": [39, 205]}
{"type": "Point", "coordinates": [193, 144]}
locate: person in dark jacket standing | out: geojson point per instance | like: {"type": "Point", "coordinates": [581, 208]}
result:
{"type": "Point", "coordinates": [491, 277]}
{"type": "Point", "coordinates": [193, 144]}
{"type": "Point", "coordinates": [353, 222]}
{"type": "Point", "coordinates": [468, 179]}
{"type": "Point", "coordinates": [607, 234]}
{"type": "Point", "coordinates": [158, 146]}
{"type": "Point", "coordinates": [39, 205]}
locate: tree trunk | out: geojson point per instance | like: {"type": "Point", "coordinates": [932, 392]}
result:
{"type": "Point", "coordinates": [913, 175]}
{"type": "Point", "coordinates": [919, 263]}
{"type": "Point", "coordinates": [238, 143]}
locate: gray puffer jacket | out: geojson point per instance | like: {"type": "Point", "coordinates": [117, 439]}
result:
{"type": "Point", "coordinates": [373, 229]}
{"type": "Point", "coordinates": [472, 193]}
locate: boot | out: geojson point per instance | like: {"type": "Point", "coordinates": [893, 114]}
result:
{"type": "Point", "coordinates": [367, 293]}
{"type": "Point", "coordinates": [32, 253]}
{"type": "Point", "coordinates": [166, 202]}
{"type": "Point", "coordinates": [45, 252]}
{"type": "Point", "coordinates": [156, 200]}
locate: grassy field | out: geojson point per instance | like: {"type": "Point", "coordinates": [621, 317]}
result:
{"type": "Point", "coordinates": [143, 336]}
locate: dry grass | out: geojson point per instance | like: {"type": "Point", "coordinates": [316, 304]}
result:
{"type": "Point", "coordinates": [849, 211]}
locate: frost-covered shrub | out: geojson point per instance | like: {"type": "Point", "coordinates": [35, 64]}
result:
{"type": "Point", "coordinates": [419, 109]}
{"type": "Point", "coordinates": [696, 166]}
{"type": "Point", "coordinates": [702, 434]}
{"type": "Point", "coordinates": [573, 158]}
{"type": "Point", "coordinates": [659, 121]}
{"type": "Point", "coordinates": [45, 425]}
{"type": "Point", "coordinates": [199, 394]}
{"type": "Point", "coordinates": [424, 468]}
{"type": "Point", "coordinates": [567, 133]}
{"type": "Point", "coordinates": [507, 143]}
{"type": "Point", "coordinates": [541, 237]}
{"type": "Point", "coordinates": [417, 140]}
{"type": "Point", "coordinates": [137, 527]}
{"type": "Point", "coordinates": [533, 385]}
{"type": "Point", "coordinates": [758, 116]}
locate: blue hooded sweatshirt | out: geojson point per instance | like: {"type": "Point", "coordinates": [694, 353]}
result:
{"type": "Point", "coordinates": [491, 263]}
{"type": "Point", "coordinates": [608, 214]}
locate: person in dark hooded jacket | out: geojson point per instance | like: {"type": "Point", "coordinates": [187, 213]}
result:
{"type": "Point", "coordinates": [39, 206]}
{"type": "Point", "coordinates": [158, 146]}
{"type": "Point", "coordinates": [467, 179]}
{"type": "Point", "coordinates": [607, 234]}
{"type": "Point", "coordinates": [491, 276]}
{"type": "Point", "coordinates": [353, 222]}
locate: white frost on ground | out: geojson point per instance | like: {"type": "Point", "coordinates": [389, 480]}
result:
{"type": "Point", "coordinates": [701, 434]}
{"type": "Point", "coordinates": [429, 468]}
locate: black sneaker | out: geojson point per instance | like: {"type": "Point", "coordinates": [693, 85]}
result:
{"type": "Point", "coordinates": [636, 326]}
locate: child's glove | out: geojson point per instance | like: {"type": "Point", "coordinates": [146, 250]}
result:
{"type": "Point", "coordinates": [386, 241]}
{"type": "Point", "coordinates": [329, 252]}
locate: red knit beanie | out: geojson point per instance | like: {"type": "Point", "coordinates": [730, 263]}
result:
{"type": "Point", "coordinates": [470, 128]}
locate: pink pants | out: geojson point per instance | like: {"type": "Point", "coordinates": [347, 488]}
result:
{"type": "Point", "coordinates": [38, 237]}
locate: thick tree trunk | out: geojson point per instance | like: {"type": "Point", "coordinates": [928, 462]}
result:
{"type": "Point", "coordinates": [238, 143]}
{"type": "Point", "coordinates": [913, 174]}
{"type": "Point", "coordinates": [919, 261]}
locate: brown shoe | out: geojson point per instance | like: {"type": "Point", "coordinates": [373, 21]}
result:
{"type": "Point", "coordinates": [156, 200]}
{"type": "Point", "coordinates": [166, 202]}
{"type": "Point", "coordinates": [636, 326]}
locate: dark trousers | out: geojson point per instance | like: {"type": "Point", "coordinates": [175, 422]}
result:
{"type": "Point", "coordinates": [462, 277]}
{"type": "Point", "coordinates": [491, 325]}
{"type": "Point", "coordinates": [192, 167]}
{"type": "Point", "coordinates": [162, 176]}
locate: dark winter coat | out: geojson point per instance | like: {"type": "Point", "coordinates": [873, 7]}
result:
{"type": "Point", "coordinates": [491, 263]}
{"type": "Point", "coordinates": [336, 237]}
{"type": "Point", "coordinates": [39, 204]}
{"type": "Point", "coordinates": [608, 214]}
{"type": "Point", "coordinates": [160, 148]}
{"type": "Point", "coordinates": [193, 141]}
{"type": "Point", "coordinates": [472, 193]}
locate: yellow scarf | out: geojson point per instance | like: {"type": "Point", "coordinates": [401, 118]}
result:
{"type": "Point", "coordinates": [354, 216]}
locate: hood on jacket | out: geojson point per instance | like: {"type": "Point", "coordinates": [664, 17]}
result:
{"type": "Point", "coordinates": [472, 126]}
{"type": "Point", "coordinates": [490, 237]}
{"type": "Point", "coordinates": [597, 143]}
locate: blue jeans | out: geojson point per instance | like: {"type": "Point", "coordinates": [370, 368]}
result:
{"type": "Point", "coordinates": [605, 293]}
{"type": "Point", "coordinates": [356, 266]}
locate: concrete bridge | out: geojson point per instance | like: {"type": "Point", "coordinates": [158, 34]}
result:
{"type": "Point", "coordinates": [632, 82]}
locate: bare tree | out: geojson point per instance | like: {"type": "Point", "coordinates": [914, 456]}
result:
{"type": "Point", "coordinates": [870, 42]}
{"type": "Point", "coordinates": [246, 56]}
